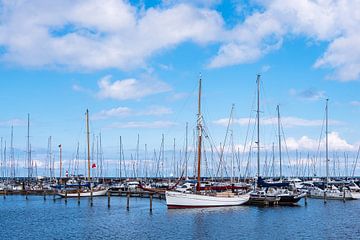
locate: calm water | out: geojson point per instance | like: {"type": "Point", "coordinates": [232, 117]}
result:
{"type": "Point", "coordinates": [39, 219]}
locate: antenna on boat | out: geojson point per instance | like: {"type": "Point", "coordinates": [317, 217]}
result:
{"type": "Point", "coordinates": [199, 128]}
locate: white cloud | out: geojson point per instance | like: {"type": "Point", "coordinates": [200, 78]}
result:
{"type": "Point", "coordinates": [93, 35]}
{"type": "Point", "coordinates": [333, 22]}
{"type": "Point", "coordinates": [125, 112]}
{"type": "Point", "coordinates": [130, 88]}
{"type": "Point", "coordinates": [286, 122]}
{"type": "Point", "coordinates": [155, 124]}
{"type": "Point", "coordinates": [121, 35]}
{"type": "Point", "coordinates": [336, 143]}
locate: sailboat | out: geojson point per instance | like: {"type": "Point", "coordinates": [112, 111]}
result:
{"type": "Point", "coordinates": [260, 195]}
{"type": "Point", "coordinates": [87, 189]}
{"type": "Point", "coordinates": [202, 198]}
{"type": "Point", "coordinates": [329, 192]}
{"type": "Point", "coordinates": [286, 196]}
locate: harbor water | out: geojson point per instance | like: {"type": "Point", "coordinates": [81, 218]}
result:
{"type": "Point", "coordinates": [38, 219]}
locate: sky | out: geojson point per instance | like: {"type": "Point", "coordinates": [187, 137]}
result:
{"type": "Point", "coordinates": [136, 65]}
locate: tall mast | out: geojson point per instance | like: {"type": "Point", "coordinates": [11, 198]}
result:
{"type": "Point", "coordinates": [199, 127]}
{"type": "Point", "coordinates": [278, 112]}
{"type": "Point", "coordinates": [186, 151]}
{"type": "Point", "coordinates": [12, 157]}
{"type": "Point", "coordinates": [28, 147]}
{"type": "Point", "coordinates": [88, 142]}
{"type": "Point", "coordinates": [258, 124]}
{"type": "Point", "coordinates": [60, 152]}
{"type": "Point", "coordinates": [120, 154]}
{"type": "Point", "coordinates": [327, 142]}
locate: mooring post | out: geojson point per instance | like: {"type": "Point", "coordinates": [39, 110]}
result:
{"type": "Point", "coordinates": [91, 196]}
{"type": "Point", "coordinates": [151, 198]}
{"type": "Point", "coordinates": [108, 193]}
{"type": "Point", "coordinates": [54, 194]}
{"type": "Point", "coordinates": [4, 193]}
{"type": "Point", "coordinates": [305, 199]}
{"type": "Point", "coordinates": [65, 196]}
{"type": "Point", "coordinates": [78, 196]}
{"type": "Point", "coordinates": [26, 195]}
{"type": "Point", "coordinates": [324, 196]}
{"type": "Point", "coordinates": [344, 193]}
{"type": "Point", "coordinates": [44, 195]}
{"type": "Point", "coordinates": [127, 201]}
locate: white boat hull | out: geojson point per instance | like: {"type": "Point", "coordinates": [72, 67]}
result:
{"type": "Point", "coordinates": [331, 195]}
{"type": "Point", "coordinates": [191, 200]}
{"type": "Point", "coordinates": [83, 194]}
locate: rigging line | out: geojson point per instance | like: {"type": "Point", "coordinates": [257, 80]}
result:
{"type": "Point", "coordinates": [320, 138]}
{"type": "Point", "coordinates": [287, 149]}
{"type": "Point", "coordinates": [248, 127]}
{"type": "Point", "coordinates": [226, 134]}
{"type": "Point", "coordinates": [356, 160]}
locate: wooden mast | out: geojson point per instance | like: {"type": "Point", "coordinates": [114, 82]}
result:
{"type": "Point", "coordinates": [88, 141]}
{"type": "Point", "coordinates": [199, 127]}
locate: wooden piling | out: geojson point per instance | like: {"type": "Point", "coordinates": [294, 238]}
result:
{"type": "Point", "coordinates": [127, 201]}
{"type": "Point", "coordinates": [109, 194]}
{"type": "Point", "coordinates": [344, 193]}
{"type": "Point", "coordinates": [91, 196]}
{"type": "Point", "coordinates": [44, 195]}
{"type": "Point", "coordinates": [4, 193]}
{"type": "Point", "coordinates": [305, 199]}
{"type": "Point", "coordinates": [26, 195]}
{"type": "Point", "coordinates": [78, 196]}
{"type": "Point", "coordinates": [151, 198]}
{"type": "Point", "coordinates": [324, 196]}
{"type": "Point", "coordinates": [65, 196]}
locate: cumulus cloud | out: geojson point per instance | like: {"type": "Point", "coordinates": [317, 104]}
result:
{"type": "Point", "coordinates": [333, 22]}
{"type": "Point", "coordinates": [124, 36]}
{"type": "Point", "coordinates": [125, 112]}
{"type": "Point", "coordinates": [336, 143]}
{"type": "Point", "coordinates": [130, 88]}
{"type": "Point", "coordinates": [93, 35]}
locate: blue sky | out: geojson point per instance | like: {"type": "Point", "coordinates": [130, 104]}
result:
{"type": "Point", "coordinates": [135, 65]}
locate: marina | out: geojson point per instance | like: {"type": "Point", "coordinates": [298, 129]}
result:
{"type": "Point", "coordinates": [179, 119]}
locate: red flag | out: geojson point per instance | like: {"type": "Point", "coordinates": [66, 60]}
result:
{"type": "Point", "coordinates": [93, 165]}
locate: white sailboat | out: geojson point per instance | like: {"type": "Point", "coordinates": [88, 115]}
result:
{"type": "Point", "coordinates": [329, 192]}
{"type": "Point", "coordinates": [202, 199]}
{"type": "Point", "coordinates": [78, 190]}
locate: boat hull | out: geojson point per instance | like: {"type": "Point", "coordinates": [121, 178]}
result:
{"type": "Point", "coordinates": [290, 199]}
{"type": "Point", "coordinates": [190, 200]}
{"type": "Point", "coordinates": [83, 194]}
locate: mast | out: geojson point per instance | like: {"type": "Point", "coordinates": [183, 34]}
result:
{"type": "Point", "coordinates": [120, 152]}
{"type": "Point", "coordinates": [12, 157]}
{"type": "Point", "coordinates": [88, 142]}
{"type": "Point", "coordinates": [199, 127]}
{"type": "Point", "coordinates": [327, 142]}
{"type": "Point", "coordinates": [60, 152]}
{"type": "Point", "coordinates": [258, 124]}
{"type": "Point", "coordinates": [186, 151]}
{"type": "Point", "coordinates": [28, 148]}
{"type": "Point", "coordinates": [278, 113]}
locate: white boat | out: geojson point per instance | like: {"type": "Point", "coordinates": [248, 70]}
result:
{"type": "Point", "coordinates": [192, 200]}
{"type": "Point", "coordinates": [330, 193]}
{"type": "Point", "coordinates": [200, 199]}
{"type": "Point", "coordinates": [83, 193]}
